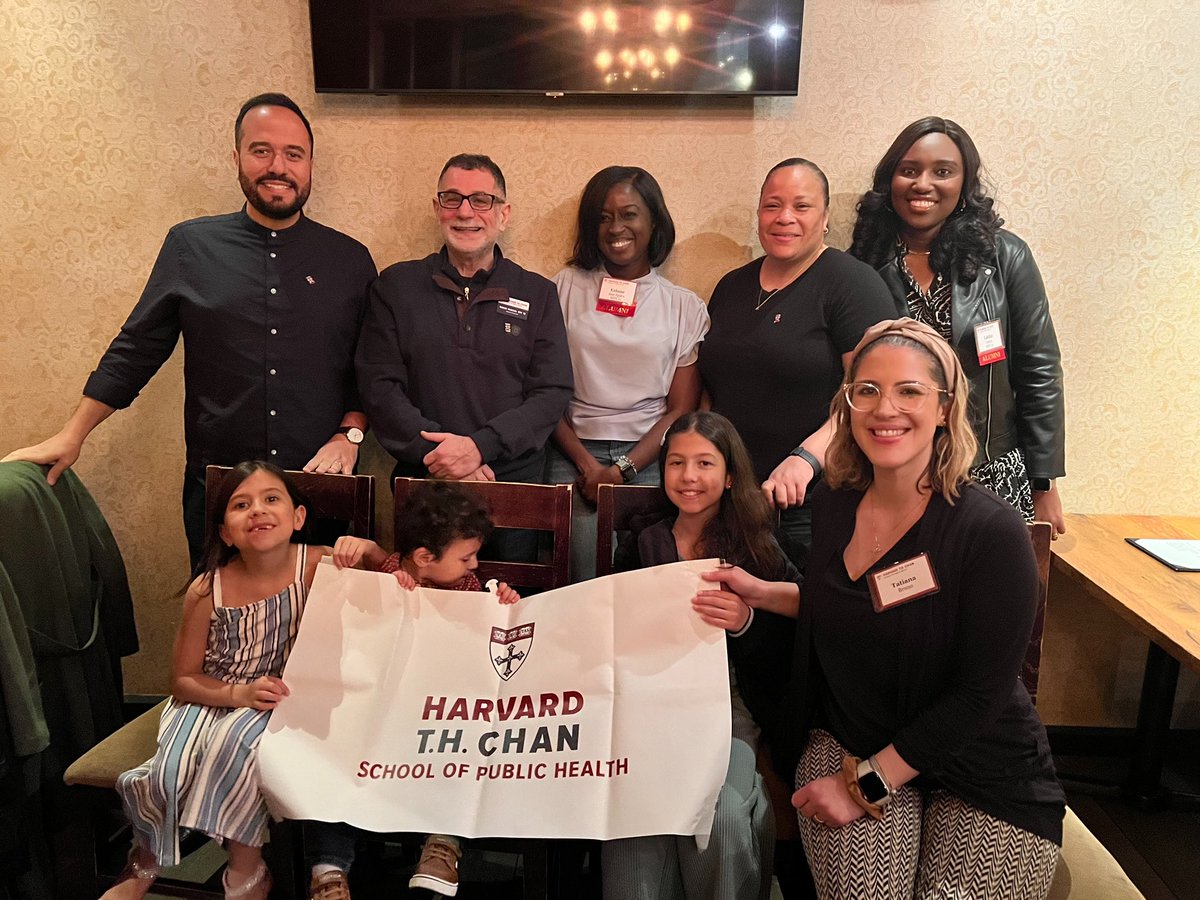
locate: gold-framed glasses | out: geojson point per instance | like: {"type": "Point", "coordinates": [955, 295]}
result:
{"type": "Point", "coordinates": [905, 397]}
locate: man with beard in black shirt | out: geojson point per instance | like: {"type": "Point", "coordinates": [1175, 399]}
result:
{"type": "Point", "coordinates": [269, 304]}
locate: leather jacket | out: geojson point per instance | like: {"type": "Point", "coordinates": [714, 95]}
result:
{"type": "Point", "coordinates": [1018, 401]}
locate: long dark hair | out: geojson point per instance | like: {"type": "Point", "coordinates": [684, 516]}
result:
{"type": "Point", "coordinates": [217, 553]}
{"type": "Point", "coordinates": [586, 254]}
{"type": "Point", "coordinates": [741, 531]}
{"type": "Point", "coordinates": [966, 240]}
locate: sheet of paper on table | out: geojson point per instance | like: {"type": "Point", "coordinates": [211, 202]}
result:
{"type": "Point", "coordinates": [1180, 555]}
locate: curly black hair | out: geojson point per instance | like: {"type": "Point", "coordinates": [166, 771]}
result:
{"type": "Point", "coordinates": [437, 514]}
{"type": "Point", "coordinates": [966, 240]}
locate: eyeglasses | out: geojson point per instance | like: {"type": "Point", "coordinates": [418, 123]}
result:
{"type": "Point", "coordinates": [905, 397]}
{"type": "Point", "coordinates": [481, 201]}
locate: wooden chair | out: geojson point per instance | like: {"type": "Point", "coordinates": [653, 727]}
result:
{"type": "Point", "coordinates": [539, 507]}
{"type": "Point", "coordinates": [330, 498]}
{"type": "Point", "coordinates": [348, 500]}
{"type": "Point", "coordinates": [617, 505]}
{"type": "Point", "coordinates": [1039, 534]}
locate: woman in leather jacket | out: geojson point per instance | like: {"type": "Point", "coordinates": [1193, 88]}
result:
{"type": "Point", "coordinates": [931, 231]}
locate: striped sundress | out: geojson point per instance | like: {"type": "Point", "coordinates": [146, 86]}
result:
{"type": "Point", "coordinates": [204, 776]}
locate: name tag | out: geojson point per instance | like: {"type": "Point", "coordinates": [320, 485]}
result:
{"type": "Point", "coordinates": [989, 342]}
{"type": "Point", "coordinates": [617, 297]}
{"type": "Point", "coordinates": [905, 581]}
{"type": "Point", "coordinates": [518, 309]}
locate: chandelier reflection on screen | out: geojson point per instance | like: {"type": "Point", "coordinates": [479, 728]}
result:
{"type": "Point", "coordinates": [610, 46]}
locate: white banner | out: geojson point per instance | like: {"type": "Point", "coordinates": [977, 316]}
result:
{"type": "Point", "coordinates": [598, 710]}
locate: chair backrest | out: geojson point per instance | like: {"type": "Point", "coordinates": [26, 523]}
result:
{"type": "Point", "coordinates": [331, 498]}
{"type": "Point", "coordinates": [616, 506]}
{"type": "Point", "coordinates": [1039, 534]}
{"type": "Point", "coordinates": [539, 507]}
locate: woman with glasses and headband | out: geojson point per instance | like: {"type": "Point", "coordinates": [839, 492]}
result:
{"type": "Point", "coordinates": [930, 228]}
{"type": "Point", "coordinates": [634, 337]}
{"type": "Point", "coordinates": [925, 770]}
{"type": "Point", "coordinates": [781, 328]}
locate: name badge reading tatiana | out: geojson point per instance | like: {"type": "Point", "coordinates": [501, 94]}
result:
{"type": "Point", "coordinates": [617, 297]}
{"type": "Point", "coordinates": [989, 342]}
{"type": "Point", "coordinates": [905, 581]}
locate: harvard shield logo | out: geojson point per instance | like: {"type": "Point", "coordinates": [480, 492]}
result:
{"type": "Point", "coordinates": [510, 648]}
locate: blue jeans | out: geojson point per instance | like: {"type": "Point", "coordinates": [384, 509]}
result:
{"type": "Point", "coordinates": [560, 470]}
{"type": "Point", "coordinates": [331, 843]}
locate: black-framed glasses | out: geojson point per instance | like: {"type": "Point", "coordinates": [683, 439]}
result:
{"type": "Point", "coordinates": [480, 201]}
{"type": "Point", "coordinates": [905, 397]}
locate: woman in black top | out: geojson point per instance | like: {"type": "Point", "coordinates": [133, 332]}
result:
{"type": "Point", "coordinates": [925, 770]}
{"type": "Point", "coordinates": [781, 327]}
{"type": "Point", "coordinates": [930, 229]}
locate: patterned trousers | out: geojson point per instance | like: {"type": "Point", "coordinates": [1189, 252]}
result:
{"type": "Point", "coordinates": [929, 845]}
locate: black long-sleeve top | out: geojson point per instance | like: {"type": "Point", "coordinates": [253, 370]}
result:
{"type": "Point", "coordinates": [270, 321]}
{"type": "Point", "coordinates": [485, 358]}
{"type": "Point", "coordinates": [937, 676]}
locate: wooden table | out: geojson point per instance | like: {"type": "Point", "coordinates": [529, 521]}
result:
{"type": "Point", "coordinates": [1160, 603]}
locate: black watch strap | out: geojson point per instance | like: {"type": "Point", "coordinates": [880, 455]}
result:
{"type": "Point", "coordinates": [810, 459]}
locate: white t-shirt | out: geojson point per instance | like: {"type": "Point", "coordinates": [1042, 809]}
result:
{"type": "Point", "coordinates": [624, 365]}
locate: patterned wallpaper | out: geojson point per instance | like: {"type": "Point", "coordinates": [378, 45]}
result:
{"type": "Point", "coordinates": [116, 122]}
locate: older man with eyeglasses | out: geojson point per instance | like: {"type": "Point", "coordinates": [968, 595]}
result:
{"type": "Point", "coordinates": [463, 362]}
{"type": "Point", "coordinates": [464, 367]}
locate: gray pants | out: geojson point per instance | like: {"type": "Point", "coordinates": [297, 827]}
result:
{"type": "Point", "coordinates": [736, 865]}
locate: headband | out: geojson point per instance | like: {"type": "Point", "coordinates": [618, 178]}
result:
{"type": "Point", "coordinates": [918, 333]}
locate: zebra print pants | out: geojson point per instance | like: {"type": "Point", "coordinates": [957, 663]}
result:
{"type": "Point", "coordinates": [929, 845]}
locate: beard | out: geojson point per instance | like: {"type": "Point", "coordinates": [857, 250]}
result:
{"type": "Point", "coordinates": [276, 208]}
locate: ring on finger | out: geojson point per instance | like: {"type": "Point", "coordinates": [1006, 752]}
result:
{"type": "Point", "coordinates": [818, 819]}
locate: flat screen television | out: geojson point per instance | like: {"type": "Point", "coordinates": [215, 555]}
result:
{"type": "Point", "coordinates": [724, 47]}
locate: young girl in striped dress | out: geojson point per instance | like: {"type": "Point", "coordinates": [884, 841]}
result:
{"type": "Point", "coordinates": [240, 618]}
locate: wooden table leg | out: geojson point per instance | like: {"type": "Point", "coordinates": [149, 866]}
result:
{"type": "Point", "coordinates": [1143, 788]}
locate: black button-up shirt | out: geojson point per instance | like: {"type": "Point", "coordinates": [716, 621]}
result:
{"type": "Point", "coordinates": [270, 321]}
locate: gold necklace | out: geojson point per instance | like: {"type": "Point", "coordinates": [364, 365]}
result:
{"type": "Point", "coordinates": [899, 522]}
{"type": "Point", "coordinates": [762, 300]}
{"type": "Point", "coordinates": [807, 265]}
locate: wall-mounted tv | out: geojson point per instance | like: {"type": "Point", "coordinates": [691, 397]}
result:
{"type": "Point", "coordinates": [746, 47]}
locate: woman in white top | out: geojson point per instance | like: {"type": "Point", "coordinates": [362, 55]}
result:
{"type": "Point", "coordinates": [634, 339]}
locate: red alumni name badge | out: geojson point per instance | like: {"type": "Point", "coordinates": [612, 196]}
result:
{"type": "Point", "coordinates": [617, 297]}
{"type": "Point", "coordinates": [989, 342]}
